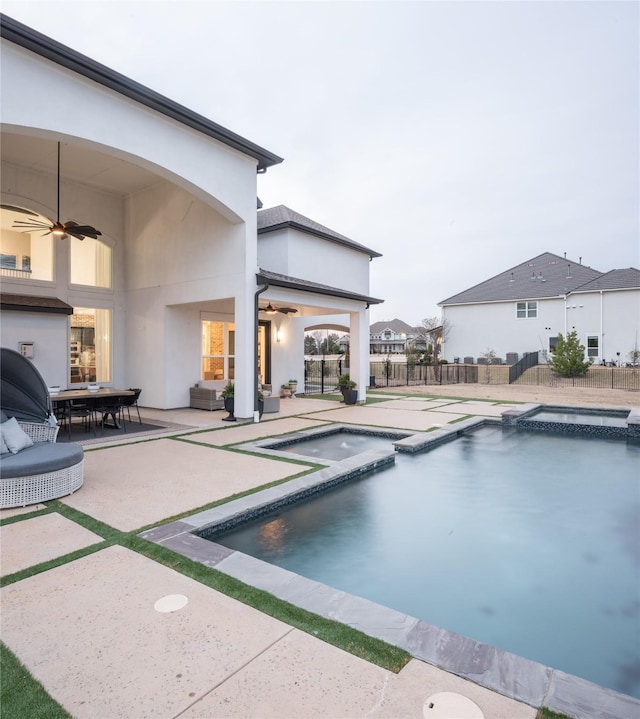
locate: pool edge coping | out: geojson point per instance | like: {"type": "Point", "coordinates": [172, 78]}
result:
{"type": "Point", "coordinates": [506, 673]}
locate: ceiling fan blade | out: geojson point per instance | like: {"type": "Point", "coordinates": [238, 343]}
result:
{"type": "Point", "coordinates": [287, 310]}
{"type": "Point", "coordinates": [73, 228]}
{"type": "Point", "coordinates": [30, 224]}
{"type": "Point", "coordinates": [13, 208]}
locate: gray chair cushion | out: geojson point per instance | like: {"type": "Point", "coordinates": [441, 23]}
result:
{"type": "Point", "coordinates": [40, 458]}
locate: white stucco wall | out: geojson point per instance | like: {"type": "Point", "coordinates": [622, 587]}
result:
{"type": "Point", "coordinates": [613, 316]}
{"type": "Point", "coordinates": [191, 238]}
{"type": "Point", "coordinates": [472, 329]}
{"type": "Point", "coordinates": [297, 254]}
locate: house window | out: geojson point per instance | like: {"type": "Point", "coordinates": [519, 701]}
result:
{"type": "Point", "coordinates": [90, 262]}
{"type": "Point", "coordinates": [593, 345]}
{"type": "Point", "coordinates": [218, 350]}
{"type": "Point", "coordinates": [526, 310]}
{"type": "Point", "coordinates": [553, 343]}
{"type": "Point", "coordinates": [27, 255]}
{"type": "Point", "coordinates": [90, 345]}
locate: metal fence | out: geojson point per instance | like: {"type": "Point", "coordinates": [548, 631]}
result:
{"type": "Point", "coordinates": [321, 375]}
{"type": "Point", "coordinates": [627, 378]}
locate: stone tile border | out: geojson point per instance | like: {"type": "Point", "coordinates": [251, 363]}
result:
{"type": "Point", "coordinates": [500, 671]}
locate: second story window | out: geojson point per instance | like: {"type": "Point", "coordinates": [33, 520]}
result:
{"type": "Point", "coordinates": [526, 310]}
{"type": "Point", "coordinates": [90, 262]}
{"type": "Point", "coordinates": [24, 255]}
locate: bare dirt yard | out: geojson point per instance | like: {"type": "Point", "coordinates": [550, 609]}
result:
{"type": "Point", "coordinates": [565, 396]}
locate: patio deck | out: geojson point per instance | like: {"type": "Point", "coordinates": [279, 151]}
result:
{"type": "Point", "coordinates": [88, 630]}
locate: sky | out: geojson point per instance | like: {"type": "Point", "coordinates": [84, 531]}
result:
{"type": "Point", "coordinates": [458, 139]}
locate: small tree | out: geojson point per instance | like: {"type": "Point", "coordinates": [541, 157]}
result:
{"type": "Point", "coordinates": [568, 357]}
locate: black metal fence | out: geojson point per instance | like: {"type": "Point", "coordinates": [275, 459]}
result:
{"type": "Point", "coordinates": [530, 359]}
{"type": "Point", "coordinates": [321, 375]}
{"type": "Point", "coordinates": [597, 377]}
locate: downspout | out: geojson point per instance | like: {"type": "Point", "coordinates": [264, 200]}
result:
{"type": "Point", "coordinates": [256, 407]}
{"type": "Point", "coordinates": [602, 354]}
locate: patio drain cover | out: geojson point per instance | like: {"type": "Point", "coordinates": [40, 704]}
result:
{"type": "Point", "coordinates": [171, 603]}
{"type": "Point", "coordinates": [449, 705]}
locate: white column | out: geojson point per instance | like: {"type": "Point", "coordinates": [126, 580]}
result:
{"type": "Point", "coordinates": [359, 348]}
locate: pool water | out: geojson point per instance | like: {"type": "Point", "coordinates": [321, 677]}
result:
{"type": "Point", "coordinates": [526, 541]}
{"type": "Point", "coordinates": [338, 445]}
{"type": "Point", "coordinates": [600, 420]}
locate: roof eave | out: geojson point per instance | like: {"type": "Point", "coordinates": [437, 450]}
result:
{"type": "Point", "coordinates": [264, 278]}
{"type": "Point", "coordinates": [50, 49]}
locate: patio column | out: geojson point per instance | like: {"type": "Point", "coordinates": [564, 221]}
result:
{"type": "Point", "coordinates": [359, 369]}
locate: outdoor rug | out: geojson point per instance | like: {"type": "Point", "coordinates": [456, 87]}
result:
{"type": "Point", "coordinates": [134, 429]}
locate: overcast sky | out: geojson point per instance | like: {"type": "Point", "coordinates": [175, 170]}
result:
{"type": "Point", "coordinates": [456, 138]}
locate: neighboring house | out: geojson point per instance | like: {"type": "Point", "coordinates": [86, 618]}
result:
{"type": "Point", "coordinates": [170, 293]}
{"type": "Point", "coordinates": [390, 337]}
{"type": "Point", "coordinates": [397, 337]}
{"type": "Point", "coordinates": [525, 308]}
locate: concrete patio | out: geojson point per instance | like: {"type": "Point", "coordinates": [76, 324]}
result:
{"type": "Point", "coordinates": [116, 634]}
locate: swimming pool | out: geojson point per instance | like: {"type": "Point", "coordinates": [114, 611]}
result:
{"type": "Point", "coordinates": [524, 540]}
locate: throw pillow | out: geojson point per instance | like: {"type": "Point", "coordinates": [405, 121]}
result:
{"type": "Point", "coordinates": [14, 436]}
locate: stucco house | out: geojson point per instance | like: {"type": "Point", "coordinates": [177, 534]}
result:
{"type": "Point", "coordinates": [186, 281]}
{"type": "Point", "coordinates": [524, 308]}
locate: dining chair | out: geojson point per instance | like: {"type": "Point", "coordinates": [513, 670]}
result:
{"type": "Point", "coordinates": [110, 407]}
{"type": "Point", "coordinates": [132, 401]}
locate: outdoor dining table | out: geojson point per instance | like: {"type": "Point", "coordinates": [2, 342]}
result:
{"type": "Point", "coordinates": [64, 396]}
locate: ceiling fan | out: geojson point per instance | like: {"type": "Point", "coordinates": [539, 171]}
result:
{"type": "Point", "coordinates": [271, 310]}
{"type": "Point", "coordinates": [58, 229]}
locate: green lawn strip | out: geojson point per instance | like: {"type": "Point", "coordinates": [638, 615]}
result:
{"type": "Point", "coordinates": [544, 713]}
{"type": "Point", "coordinates": [462, 419]}
{"type": "Point", "coordinates": [339, 635]}
{"type": "Point", "coordinates": [22, 696]}
{"type": "Point", "coordinates": [26, 515]}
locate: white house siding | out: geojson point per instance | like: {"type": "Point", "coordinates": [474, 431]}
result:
{"type": "Point", "coordinates": [299, 254]}
{"type": "Point", "coordinates": [195, 171]}
{"type": "Point", "coordinates": [612, 315]}
{"type": "Point", "coordinates": [474, 329]}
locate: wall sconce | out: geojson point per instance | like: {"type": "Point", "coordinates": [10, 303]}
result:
{"type": "Point", "coordinates": [26, 349]}
{"type": "Point", "coordinates": [278, 335]}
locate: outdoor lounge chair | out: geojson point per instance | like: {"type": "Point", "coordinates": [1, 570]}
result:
{"type": "Point", "coordinates": [33, 467]}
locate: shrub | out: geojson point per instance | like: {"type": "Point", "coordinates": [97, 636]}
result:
{"type": "Point", "coordinates": [568, 358]}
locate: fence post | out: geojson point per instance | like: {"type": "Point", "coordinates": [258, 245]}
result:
{"type": "Point", "coordinates": [322, 376]}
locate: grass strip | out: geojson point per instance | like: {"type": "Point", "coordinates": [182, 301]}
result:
{"type": "Point", "coordinates": [544, 713]}
{"type": "Point", "coordinates": [21, 695]}
{"type": "Point", "coordinates": [339, 635]}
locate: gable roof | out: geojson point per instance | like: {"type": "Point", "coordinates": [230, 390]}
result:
{"type": "Point", "coordinates": [265, 277]}
{"type": "Point", "coordinates": [546, 275]}
{"type": "Point", "coordinates": [46, 47]}
{"type": "Point", "coordinates": [626, 279]}
{"type": "Point", "coordinates": [281, 217]}
{"type": "Point", "coordinates": [396, 325]}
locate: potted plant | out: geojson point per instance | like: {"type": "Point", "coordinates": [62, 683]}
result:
{"type": "Point", "coordinates": [293, 386]}
{"type": "Point", "coordinates": [285, 390]}
{"type": "Point", "coordinates": [348, 388]}
{"type": "Point", "coordinates": [227, 395]}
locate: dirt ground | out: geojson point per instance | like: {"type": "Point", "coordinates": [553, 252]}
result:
{"type": "Point", "coordinates": [566, 396]}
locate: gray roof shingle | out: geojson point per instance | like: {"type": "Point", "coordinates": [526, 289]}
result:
{"type": "Point", "coordinates": [546, 275]}
{"type": "Point", "coordinates": [279, 217]}
{"type": "Point", "coordinates": [626, 279]}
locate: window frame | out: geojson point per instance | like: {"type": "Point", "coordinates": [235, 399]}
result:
{"type": "Point", "coordinates": [528, 308]}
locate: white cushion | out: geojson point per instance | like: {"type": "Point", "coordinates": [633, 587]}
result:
{"type": "Point", "coordinates": [14, 436]}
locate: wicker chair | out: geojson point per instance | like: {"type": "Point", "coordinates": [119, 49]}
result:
{"type": "Point", "coordinates": [18, 487]}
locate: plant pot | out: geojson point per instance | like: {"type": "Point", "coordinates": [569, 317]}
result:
{"type": "Point", "coordinates": [260, 407]}
{"type": "Point", "coordinates": [229, 406]}
{"type": "Point", "coordinates": [350, 396]}
{"type": "Point", "coordinates": [294, 388]}
{"type": "Point", "coordinates": [286, 393]}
